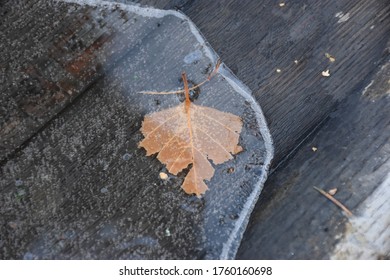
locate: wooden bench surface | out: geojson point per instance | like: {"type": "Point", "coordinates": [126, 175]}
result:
{"type": "Point", "coordinates": [278, 52]}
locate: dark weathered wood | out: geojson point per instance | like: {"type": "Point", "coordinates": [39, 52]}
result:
{"type": "Point", "coordinates": [293, 221]}
{"type": "Point", "coordinates": [48, 59]}
{"type": "Point", "coordinates": [82, 189]}
{"type": "Point", "coordinates": [255, 46]}
{"type": "Point", "coordinates": [254, 38]}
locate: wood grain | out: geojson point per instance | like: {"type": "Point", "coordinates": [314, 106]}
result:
{"type": "Point", "coordinates": [293, 221]}
{"type": "Point", "coordinates": [82, 188]}
{"type": "Point", "coordinates": [254, 38]}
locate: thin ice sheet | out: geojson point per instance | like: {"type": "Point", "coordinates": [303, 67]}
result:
{"type": "Point", "coordinates": [83, 188]}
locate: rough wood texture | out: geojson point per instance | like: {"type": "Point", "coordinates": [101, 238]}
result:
{"type": "Point", "coordinates": [293, 221]}
{"type": "Point", "coordinates": [82, 188]}
{"type": "Point", "coordinates": [254, 38]}
{"type": "Point", "coordinates": [48, 59]}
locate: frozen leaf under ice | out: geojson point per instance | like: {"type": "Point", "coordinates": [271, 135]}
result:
{"type": "Point", "coordinates": [191, 134]}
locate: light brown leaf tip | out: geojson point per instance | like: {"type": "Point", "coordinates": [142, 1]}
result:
{"type": "Point", "coordinates": [191, 134]}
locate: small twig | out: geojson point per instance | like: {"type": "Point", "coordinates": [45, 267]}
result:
{"type": "Point", "coordinates": [216, 68]}
{"type": "Point", "coordinates": [192, 88]}
{"type": "Point", "coordinates": [335, 201]}
{"type": "Point", "coordinates": [173, 92]}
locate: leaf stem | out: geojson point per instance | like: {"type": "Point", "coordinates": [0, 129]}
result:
{"type": "Point", "coordinates": [186, 90]}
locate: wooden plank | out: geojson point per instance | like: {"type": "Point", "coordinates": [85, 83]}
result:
{"type": "Point", "coordinates": [259, 45]}
{"type": "Point", "coordinates": [83, 189]}
{"type": "Point", "coordinates": [70, 50]}
{"type": "Point", "coordinates": [293, 221]}
{"type": "Point", "coordinates": [254, 38]}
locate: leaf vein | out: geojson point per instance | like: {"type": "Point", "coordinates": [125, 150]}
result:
{"type": "Point", "coordinates": [221, 124]}
{"type": "Point", "coordinates": [212, 139]}
{"type": "Point", "coordinates": [157, 127]}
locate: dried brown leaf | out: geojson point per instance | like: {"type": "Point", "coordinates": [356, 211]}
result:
{"type": "Point", "coordinates": [191, 134]}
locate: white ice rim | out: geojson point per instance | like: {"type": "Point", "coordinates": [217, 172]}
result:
{"type": "Point", "coordinates": [230, 247]}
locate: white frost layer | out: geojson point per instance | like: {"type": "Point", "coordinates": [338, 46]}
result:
{"type": "Point", "coordinates": [231, 246]}
{"type": "Point", "coordinates": [151, 13]}
{"type": "Point", "coordinates": [368, 235]}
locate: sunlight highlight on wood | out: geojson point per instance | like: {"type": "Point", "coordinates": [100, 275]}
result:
{"type": "Point", "coordinates": [191, 134]}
